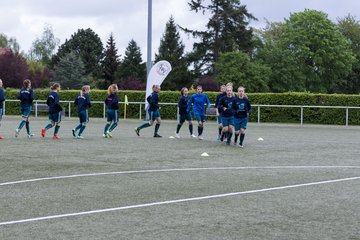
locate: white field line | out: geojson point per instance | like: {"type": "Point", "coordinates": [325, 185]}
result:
{"type": "Point", "coordinates": [173, 170]}
{"type": "Point", "coordinates": [175, 201]}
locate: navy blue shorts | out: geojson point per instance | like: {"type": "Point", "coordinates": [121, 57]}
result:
{"type": "Point", "coordinates": [240, 123]}
{"type": "Point", "coordinates": [219, 118]}
{"type": "Point", "coordinates": [200, 118]}
{"type": "Point", "coordinates": [226, 121]}
{"type": "Point", "coordinates": [55, 118]}
{"type": "Point", "coordinates": [112, 115]}
{"type": "Point", "coordinates": [83, 116]}
{"type": "Point", "coordinates": [153, 115]}
{"type": "Point", "coordinates": [25, 112]}
{"type": "Point", "coordinates": [183, 117]}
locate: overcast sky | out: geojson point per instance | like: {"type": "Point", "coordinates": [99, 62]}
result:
{"type": "Point", "coordinates": [127, 19]}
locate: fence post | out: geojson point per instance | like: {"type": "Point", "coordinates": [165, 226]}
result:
{"type": "Point", "coordinates": [301, 116]}
{"type": "Point", "coordinates": [258, 115]}
{"type": "Point", "coordinates": [69, 109]}
{"type": "Point", "coordinates": [347, 117]}
{"type": "Point", "coordinates": [36, 109]}
{"type": "Point", "coordinates": [104, 110]}
{"type": "Point", "coordinates": [140, 112]}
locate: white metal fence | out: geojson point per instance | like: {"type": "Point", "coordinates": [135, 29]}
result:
{"type": "Point", "coordinates": [259, 107]}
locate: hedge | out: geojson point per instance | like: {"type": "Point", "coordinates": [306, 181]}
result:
{"type": "Point", "coordinates": [268, 114]}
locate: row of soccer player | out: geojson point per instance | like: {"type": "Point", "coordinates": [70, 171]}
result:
{"type": "Point", "coordinates": [232, 112]}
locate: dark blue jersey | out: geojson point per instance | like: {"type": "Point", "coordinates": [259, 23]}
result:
{"type": "Point", "coordinates": [112, 101]}
{"type": "Point", "coordinates": [2, 97]}
{"type": "Point", "coordinates": [226, 106]}
{"type": "Point", "coordinates": [26, 97]}
{"type": "Point", "coordinates": [183, 102]}
{"type": "Point", "coordinates": [218, 99]}
{"type": "Point", "coordinates": [153, 100]}
{"type": "Point", "coordinates": [83, 102]}
{"type": "Point", "coordinates": [242, 107]}
{"type": "Point", "coordinates": [53, 101]}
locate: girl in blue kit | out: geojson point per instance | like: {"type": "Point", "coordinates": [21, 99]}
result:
{"type": "Point", "coordinates": [26, 97]}
{"type": "Point", "coordinates": [112, 116]}
{"type": "Point", "coordinates": [153, 112]}
{"type": "Point", "coordinates": [55, 109]}
{"type": "Point", "coordinates": [227, 114]}
{"type": "Point", "coordinates": [242, 108]}
{"type": "Point", "coordinates": [83, 102]}
{"type": "Point", "coordinates": [2, 99]}
{"type": "Point", "coordinates": [198, 101]}
{"type": "Point", "coordinates": [218, 112]}
{"type": "Point", "coordinates": [183, 115]}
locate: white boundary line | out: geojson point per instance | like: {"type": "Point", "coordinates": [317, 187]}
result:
{"type": "Point", "coordinates": [174, 201]}
{"type": "Point", "coordinates": [172, 170]}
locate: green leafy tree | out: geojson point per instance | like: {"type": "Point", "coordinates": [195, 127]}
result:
{"type": "Point", "coordinates": [10, 43]}
{"type": "Point", "coordinates": [236, 67]}
{"type": "Point", "coordinates": [70, 70]}
{"type": "Point", "coordinates": [111, 61]}
{"type": "Point", "coordinates": [43, 48]}
{"type": "Point", "coordinates": [87, 44]}
{"type": "Point", "coordinates": [172, 49]}
{"type": "Point", "coordinates": [227, 31]}
{"type": "Point", "coordinates": [132, 65]}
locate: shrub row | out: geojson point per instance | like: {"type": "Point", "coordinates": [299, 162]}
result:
{"type": "Point", "coordinates": [268, 114]}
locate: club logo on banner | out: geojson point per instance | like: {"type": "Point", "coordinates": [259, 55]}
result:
{"type": "Point", "coordinates": [163, 68]}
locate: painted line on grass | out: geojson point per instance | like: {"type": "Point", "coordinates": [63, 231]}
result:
{"type": "Point", "coordinates": [175, 201]}
{"type": "Point", "coordinates": [173, 170]}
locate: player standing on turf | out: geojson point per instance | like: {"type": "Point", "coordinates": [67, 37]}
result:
{"type": "Point", "coordinates": [198, 101]}
{"type": "Point", "coordinates": [227, 114]}
{"type": "Point", "coordinates": [183, 115]}
{"type": "Point", "coordinates": [83, 102]}
{"type": "Point", "coordinates": [2, 99]}
{"type": "Point", "coordinates": [53, 101]}
{"type": "Point", "coordinates": [26, 97]}
{"type": "Point", "coordinates": [242, 108]}
{"type": "Point", "coordinates": [153, 112]}
{"type": "Point", "coordinates": [218, 112]}
{"type": "Point", "coordinates": [112, 116]}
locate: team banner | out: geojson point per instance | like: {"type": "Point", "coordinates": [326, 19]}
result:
{"type": "Point", "coordinates": [156, 76]}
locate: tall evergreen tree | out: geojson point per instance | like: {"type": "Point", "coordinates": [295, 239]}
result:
{"type": "Point", "coordinates": [172, 49]}
{"type": "Point", "coordinates": [111, 61]}
{"type": "Point", "coordinates": [132, 66]}
{"type": "Point", "coordinates": [227, 31]}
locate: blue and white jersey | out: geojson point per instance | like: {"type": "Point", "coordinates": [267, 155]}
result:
{"type": "Point", "coordinates": [53, 101]}
{"type": "Point", "coordinates": [83, 102]}
{"type": "Point", "coordinates": [26, 97]}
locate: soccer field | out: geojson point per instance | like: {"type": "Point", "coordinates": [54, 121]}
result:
{"type": "Point", "coordinates": [299, 183]}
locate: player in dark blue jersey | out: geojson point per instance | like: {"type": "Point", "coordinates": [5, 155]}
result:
{"type": "Point", "coordinates": [153, 112]}
{"type": "Point", "coordinates": [242, 111]}
{"type": "Point", "coordinates": [112, 115]}
{"type": "Point", "coordinates": [83, 102]}
{"type": "Point", "coordinates": [183, 115]}
{"type": "Point", "coordinates": [227, 114]}
{"type": "Point", "coordinates": [55, 109]}
{"type": "Point", "coordinates": [2, 99]}
{"type": "Point", "coordinates": [218, 113]}
{"type": "Point", "coordinates": [198, 101]}
{"type": "Point", "coordinates": [26, 97]}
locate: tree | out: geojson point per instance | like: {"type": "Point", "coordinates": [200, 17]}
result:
{"type": "Point", "coordinates": [13, 69]}
{"type": "Point", "coordinates": [132, 66]}
{"type": "Point", "coordinates": [39, 74]}
{"type": "Point", "coordinates": [70, 70]}
{"type": "Point", "coordinates": [10, 43]}
{"type": "Point", "coordinates": [87, 44]}
{"type": "Point", "coordinates": [227, 31]}
{"type": "Point", "coordinates": [43, 48]}
{"type": "Point", "coordinates": [236, 67]}
{"type": "Point", "coordinates": [171, 49]}
{"type": "Point", "coordinates": [111, 61]}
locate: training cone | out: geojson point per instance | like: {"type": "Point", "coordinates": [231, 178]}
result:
{"type": "Point", "coordinates": [171, 137]}
{"type": "Point", "coordinates": [260, 139]}
{"type": "Point", "coordinates": [204, 154]}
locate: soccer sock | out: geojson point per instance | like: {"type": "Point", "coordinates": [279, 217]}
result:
{"type": "Point", "coordinates": [82, 129]}
{"type": "Point", "coordinates": [56, 131]}
{"type": "Point", "coordinates": [113, 126]}
{"type": "Point", "coordinates": [236, 137]}
{"type": "Point", "coordinates": [157, 126]}
{"type": "Point", "coordinates": [242, 136]}
{"type": "Point", "coordinates": [48, 126]}
{"type": "Point", "coordinates": [145, 125]}
{"type": "Point", "coordinates": [222, 135]}
{"type": "Point", "coordinates": [106, 128]}
{"type": "Point", "coordinates": [78, 127]}
{"type": "Point", "coordinates": [200, 130]}
{"type": "Point", "coordinates": [220, 131]}
{"type": "Point", "coordinates": [21, 125]}
{"type": "Point", "coordinates": [229, 137]}
{"type": "Point", "coordinates": [178, 128]}
{"type": "Point", "coordinates": [27, 125]}
{"type": "Point", "coordinates": [191, 129]}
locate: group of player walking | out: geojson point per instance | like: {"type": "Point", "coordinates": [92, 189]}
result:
{"type": "Point", "coordinates": [232, 111]}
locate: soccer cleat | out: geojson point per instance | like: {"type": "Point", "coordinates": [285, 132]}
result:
{"type": "Point", "coordinates": [43, 132]}
{"type": "Point", "coordinates": [79, 137]}
{"type": "Point", "coordinates": [241, 146]}
{"type": "Point", "coordinates": [73, 132]}
{"type": "Point", "coordinates": [157, 135]}
{"type": "Point", "coordinates": [177, 135]}
{"type": "Point", "coordinates": [56, 137]}
{"type": "Point", "coordinates": [1, 137]}
{"type": "Point", "coordinates": [30, 135]}
{"type": "Point", "coordinates": [218, 138]}
{"type": "Point", "coordinates": [104, 135]}
{"type": "Point", "coordinates": [200, 137]}
{"type": "Point", "coordinates": [17, 131]}
{"type": "Point", "coordinates": [108, 134]}
{"type": "Point", "coordinates": [137, 131]}
{"type": "Point", "coordinates": [192, 136]}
